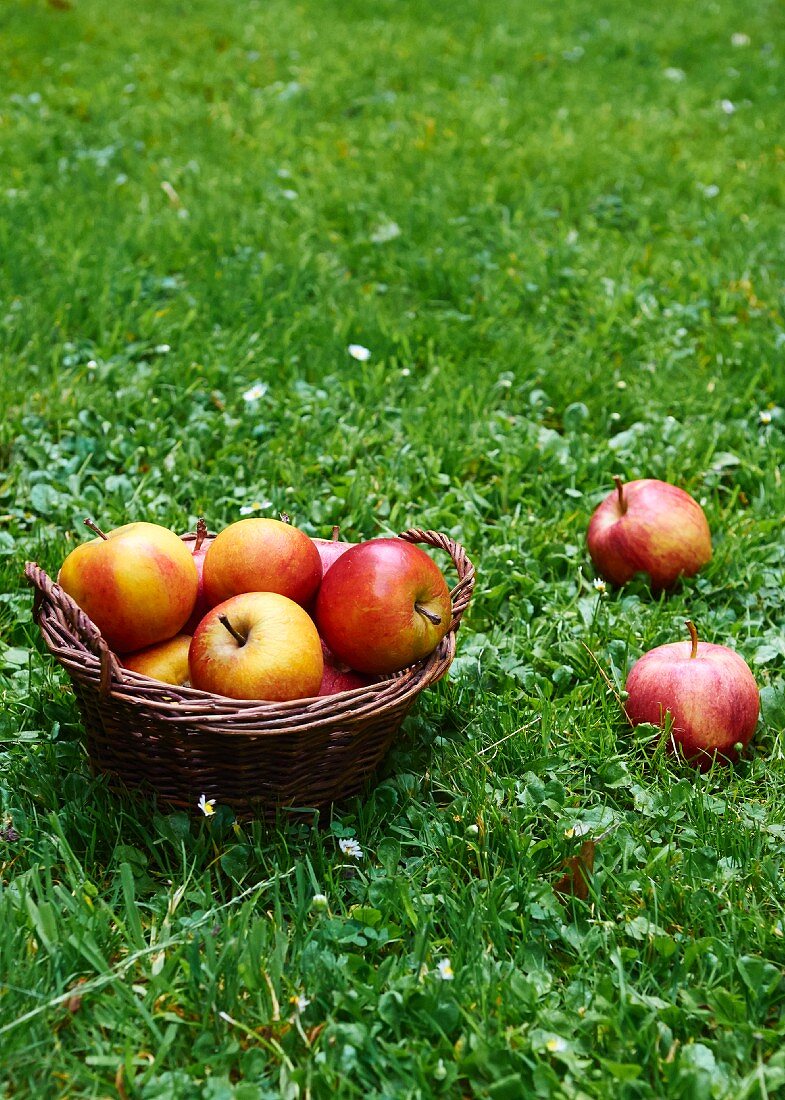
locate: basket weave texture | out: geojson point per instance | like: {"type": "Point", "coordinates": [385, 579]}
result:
{"type": "Point", "coordinates": [256, 757]}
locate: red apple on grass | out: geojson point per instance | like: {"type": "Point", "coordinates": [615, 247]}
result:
{"type": "Point", "coordinates": [651, 527]}
{"type": "Point", "coordinates": [257, 645]}
{"type": "Point", "coordinates": [383, 605]}
{"type": "Point", "coordinates": [138, 584]}
{"type": "Point", "coordinates": [200, 547]}
{"type": "Point", "coordinates": [709, 692]}
{"type": "Point", "coordinates": [339, 677]}
{"type": "Point", "coordinates": [166, 661]}
{"type": "Point", "coordinates": [331, 549]}
{"type": "Point", "coordinates": [261, 555]}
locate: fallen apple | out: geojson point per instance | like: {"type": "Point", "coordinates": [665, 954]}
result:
{"type": "Point", "coordinates": [138, 583]}
{"type": "Point", "coordinates": [166, 661]}
{"type": "Point", "coordinates": [708, 691]}
{"type": "Point", "coordinates": [383, 605]}
{"type": "Point", "coordinates": [651, 527]}
{"type": "Point", "coordinates": [257, 645]}
{"type": "Point", "coordinates": [261, 555]}
{"type": "Point", "coordinates": [331, 549]}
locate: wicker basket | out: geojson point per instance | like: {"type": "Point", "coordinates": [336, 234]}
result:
{"type": "Point", "coordinates": [256, 757]}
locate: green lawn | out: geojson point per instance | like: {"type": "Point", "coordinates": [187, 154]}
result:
{"type": "Point", "coordinates": [559, 230]}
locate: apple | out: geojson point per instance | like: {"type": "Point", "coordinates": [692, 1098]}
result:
{"type": "Point", "coordinates": [331, 549]}
{"type": "Point", "coordinates": [652, 527]}
{"type": "Point", "coordinates": [339, 677]}
{"type": "Point", "coordinates": [257, 645]}
{"type": "Point", "coordinates": [261, 555]}
{"type": "Point", "coordinates": [166, 661]}
{"type": "Point", "coordinates": [200, 547]}
{"type": "Point", "coordinates": [708, 690]}
{"type": "Point", "coordinates": [138, 584]}
{"type": "Point", "coordinates": [383, 605]}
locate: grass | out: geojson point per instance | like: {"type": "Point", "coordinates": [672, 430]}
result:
{"type": "Point", "coordinates": [559, 230]}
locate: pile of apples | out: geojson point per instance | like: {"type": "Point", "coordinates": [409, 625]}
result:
{"type": "Point", "coordinates": [260, 611]}
{"type": "Point", "coordinates": [704, 695]}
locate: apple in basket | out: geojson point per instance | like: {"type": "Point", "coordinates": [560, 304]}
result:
{"type": "Point", "coordinates": [199, 549]}
{"type": "Point", "coordinates": [257, 645]}
{"type": "Point", "coordinates": [383, 605]}
{"type": "Point", "coordinates": [331, 549]}
{"type": "Point", "coordinates": [339, 677]}
{"type": "Point", "coordinates": [652, 527]}
{"type": "Point", "coordinates": [261, 555]}
{"type": "Point", "coordinates": [138, 583]}
{"type": "Point", "coordinates": [166, 661]}
{"type": "Point", "coordinates": [708, 691]}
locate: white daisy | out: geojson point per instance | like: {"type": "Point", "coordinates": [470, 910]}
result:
{"type": "Point", "coordinates": [257, 391]}
{"type": "Point", "coordinates": [445, 970]}
{"type": "Point", "coordinates": [206, 805]}
{"type": "Point", "coordinates": [350, 847]}
{"type": "Point", "coordinates": [358, 352]}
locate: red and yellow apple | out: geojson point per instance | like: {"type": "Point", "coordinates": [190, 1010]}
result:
{"type": "Point", "coordinates": [200, 546]}
{"type": "Point", "coordinates": [166, 661]}
{"type": "Point", "coordinates": [331, 549]}
{"type": "Point", "coordinates": [652, 527]}
{"type": "Point", "coordinates": [261, 555]}
{"type": "Point", "coordinates": [708, 691]}
{"type": "Point", "coordinates": [339, 677]}
{"type": "Point", "coordinates": [257, 645]}
{"type": "Point", "coordinates": [383, 605]}
{"type": "Point", "coordinates": [138, 584]}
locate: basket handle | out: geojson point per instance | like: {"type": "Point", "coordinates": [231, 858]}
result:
{"type": "Point", "coordinates": [70, 614]}
{"type": "Point", "coordinates": [462, 592]}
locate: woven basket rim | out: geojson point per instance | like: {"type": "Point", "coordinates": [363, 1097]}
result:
{"type": "Point", "coordinates": [76, 643]}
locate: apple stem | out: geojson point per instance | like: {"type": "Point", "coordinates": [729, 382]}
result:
{"type": "Point", "coordinates": [429, 615]}
{"type": "Point", "coordinates": [693, 637]}
{"type": "Point", "coordinates": [617, 481]}
{"type": "Point", "coordinates": [336, 533]}
{"type": "Point", "coordinates": [201, 532]}
{"type": "Point", "coordinates": [96, 529]}
{"type": "Point", "coordinates": [235, 633]}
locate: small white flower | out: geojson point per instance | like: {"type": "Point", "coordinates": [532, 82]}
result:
{"type": "Point", "coordinates": [580, 828]}
{"type": "Point", "coordinates": [358, 352]}
{"type": "Point", "coordinates": [257, 506]}
{"type": "Point", "coordinates": [621, 384]}
{"type": "Point", "coordinates": [319, 901]}
{"type": "Point", "coordinates": [445, 970]}
{"type": "Point", "coordinates": [556, 1045]}
{"type": "Point", "coordinates": [300, 1002]}
{"type": "Point", "coordinates": [289, 194]}
{"type": "Point", "coordinates": [91, 364]}
{"type": "Point", "coordinates": [162, 349]}
{"type": "Point", "coordinates": [120, 179]}
{"type": "Point", "coordinates": [739, 39]}
{"type": "Point", "coordinates": [710, 190]}
{"type": "Point", "coordinates": [727, 106]}
{"type": "Point", "coordinates": [350, 847]}
{"type": "Point", "coordinates": [600, 585]}
{"type": "Point", "coordinates": [206, 805]}
{"type": "Point", "coordinates": [257, 391]}
{"type": "Point", "coordinates": [387, 231]}
{"type": "Point", "coordinates": [473, 830]}
{"type": "Point", "coordinates": [405, 372]}
{"type": "Point", "coordinates": [675, 75]}
{"type": "Point", "coordinates": [764, 416]}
